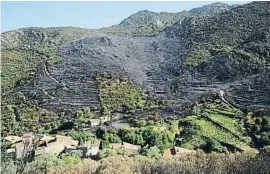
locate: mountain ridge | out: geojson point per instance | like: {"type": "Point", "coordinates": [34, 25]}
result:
{"type": "Point", "coordinates": [199, 59]}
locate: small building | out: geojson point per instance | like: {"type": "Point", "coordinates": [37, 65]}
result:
{"type": "Point", "coordinates": [54, 148]}
{"type": "Point", "coordinates": [44, 140]}
{"type": "Point", "coordinates": [90, 148]}
{"type": "Point", "coordinates": [92, 152]}
{"type": "Point", "coordinates": [47, 139]}
{"type": "Point", "coordinates": [95, 122]}
{"type": "Point", "coordinates": [69, 148]}
{"type": "Point", "coordinates": [88, 151]}
{"type": "Point", "coordinates": [178, 151]}
{"type": "Point", "coordinates": [56, 145]}
{"type": "Point", "coordinates": [11, 152]}
{"type": "Point", "coordinates": [40, 150]}
{"type": "Point", "coordinates": [92, 143]}
{"type": "Point", "coordinates": [66, 140]}
{"type": "Point", "coordinates": [105, 119]}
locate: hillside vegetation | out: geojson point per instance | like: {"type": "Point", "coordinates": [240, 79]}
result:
{"type": "Point", "coordinates": [197, 79]}
{"type": "Point", "coordinates": [242, 32]}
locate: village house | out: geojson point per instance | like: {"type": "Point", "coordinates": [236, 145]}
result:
{"type": "Point", "coordinates": [90, 148]}
{"type": "Point", "coordinates": [54, 148]}
{"type": "Point", "coordinates": [95, 122]}
{"type": "Point", "coordinates": [98, 121]}
{"type": "Point", "coordinates": [178, 151]}
{"type": "Point", "coordinates": [105, 119]}
{"type": "Point", "coordinates": [56, 145]}
{"type": "Point", "coordinates": [40, 144]}
{"type": "Point", "coordinates": [69, 148]}
{"type": "Point", "coordinates": [47, 139]}
{"type": "Point", "coordinates": [20, 145]}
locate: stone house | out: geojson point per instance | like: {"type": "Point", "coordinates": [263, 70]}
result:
{"type": "Point", "coordinates": [98, 121]}
{"type": "Point", "coordinates": [21, 145]}
{"type": "Point", "coordinates": [56, 145]}
{"type": "Point", "coordinates": [105, 119]}
{"type": "Point", "coordinates": [44, 144]}
{"type": "Point", "coordinates": [95, 122]}
{"type": "Point", "coordinates": [90, 148]}
{"type": "Point", "coordinates": [69, 148]}
{"type": "Point", "coordinates": [44, 140]}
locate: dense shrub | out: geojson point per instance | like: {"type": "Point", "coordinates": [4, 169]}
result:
{"type": "Point", "coordinates": [149, 135]}
{"type": "Point", "coordinates": [258, 126]}
{"type": "Point", "coordinates": [81, 136]}
{"type": "Point", "coordinates": [82, 118]}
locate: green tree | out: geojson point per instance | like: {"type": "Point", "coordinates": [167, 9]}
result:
{"type": "Point", "coordinates": [101, 131]}
{"type": "Point", "coordinates": [112, 138]}
{"type": "Point", "coordinates": [104, 144]}
{"type": "Point", "coordinates": [72, 158]}
{"type": "Point", "coordinates": [104, 111]}
{"type": "Point", "coordinates": [82, 117]}
{"type": "Point", "coordinates": [81, 136]}
{"type": "Point", "coordinates": [152, 152]}
{"type": "Point", "coordinates": [140, 123]}
{"type": "Point", "coordinates": [139, 139]}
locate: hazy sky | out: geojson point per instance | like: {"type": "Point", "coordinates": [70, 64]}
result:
{"type": "Point", "coordinates": [15, 15]}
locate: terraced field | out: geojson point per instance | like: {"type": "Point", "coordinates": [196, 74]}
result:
{"type": "Point", "coordinates": [219, 125]}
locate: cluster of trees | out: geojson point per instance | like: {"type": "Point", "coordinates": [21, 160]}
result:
{"type": "Point", "coordinates": [81, 136]}
{"type": "Point", "coordinates": [82, 117]}
{"type": "Point", "coordinates": [107, 135]}
{"type": "Point", "coordinates": [153, 118]}
{"type": "Point", "coordinates": [115, 162]}
{"type": "Point", "coordinates": [210, 163]}
{"type": "Point", "coordinates": [73, 157]}
{"type": "Point", "coordinates": [148, 136]}
{"type": "Point", "coordinates": [259, 126]}
{"type": "Point", "coordinates": [18, 120]}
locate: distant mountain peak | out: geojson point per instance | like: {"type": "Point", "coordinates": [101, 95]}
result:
{"type": "Point", "coordinates": [215, 8]}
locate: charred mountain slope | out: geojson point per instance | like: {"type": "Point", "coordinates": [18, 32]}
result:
{"type": "Point", "coordinates": [71, 83]}
{"type": "Point", "coordinates": [225, 51]}
{"type": "Point", "coordinates": [57, 68]}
